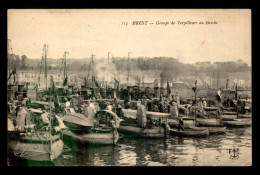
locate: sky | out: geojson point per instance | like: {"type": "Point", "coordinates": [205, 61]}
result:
{"type": "Point", "coordinates": [91, 31]}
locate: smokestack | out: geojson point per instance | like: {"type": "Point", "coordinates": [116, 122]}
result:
{"type": "Point", "coordinates": [227, 84]}
{"type": "Point", "coordinates": [156, 88]}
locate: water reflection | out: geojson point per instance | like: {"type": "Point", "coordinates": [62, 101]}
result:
{"type": "Point", "coordinates": [174, 151]}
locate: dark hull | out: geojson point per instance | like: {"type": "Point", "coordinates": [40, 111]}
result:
{"type": "Point", "coordinates": [212, 130]}
{"type": "Point", "coordinates": [237, 123]}
{"type": "Point", "coordinates": [229, 117]}
{"type": "Point", "coordinates": [190, 132]}
{"type": "Point", "coordinates": [244, 115]}
{"type": "Point", "coordinates": [143, 132]}
{"type": "Point", "coordinates": [208, 122]}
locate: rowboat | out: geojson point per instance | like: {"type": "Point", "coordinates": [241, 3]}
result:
{"type": "Point", "coordinates": [228, 117]}
{"type": "Point", "coordinates": [38, 146]}
{"type": "Point", "coordinates": [190, 132]}
{"type": "Point", "coordinates": [237, 123]}
{"type": "Point", "coordinates": [212, 130]}
{"type": "Point", "coordinates": [104, 132]}
{"type": "Point", "coordinates": [102, 137]}
{"type": "Point", "coordinates": [77, 122]}
{"type": "Point", "coordinates": [208, 122]}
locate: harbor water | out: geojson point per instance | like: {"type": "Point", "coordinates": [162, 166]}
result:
{"type": "Point", "coordinates": [215, 150]}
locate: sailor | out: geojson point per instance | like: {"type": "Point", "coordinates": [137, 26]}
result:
{"type": "Point", "coordinates": [44, 119]}
{"type": "Point", "coordinates": [144, 99]}
{"type": "Point", "coordinates": [126, 103]}
{"type": "Point", "coordinates": [23, 118]}
{"type": "Point", "coordinates": [240, 105]}
{"type": "Point", "coordinates": [193, 100]}
{"type": "Point", "coordinates": [200, 104]}
{"type": "Point", "coordinates": [228, 102]}
{"type": "Point", "coordinates": [180, 124]}
{"type": "Point", "coordinates": [160, 107]}
{"type": "Point", "coordinates": [67, 104]}
{"type": "Point", "coordinates": [204, 102]}
{"type": "Point", "coordinates": [149, 105]}
{"type": "Point", "coordinates": [225, 102]}
{"type": "Point", "coordinates": [89, 111]}
{"type": "Point", "coordinates": [13, 110]}
{"type": "Point", "coordinates": [141, 115]}
{"type": "Point", "coordinates": [109, 106]}
{"type": "Point", "coordinates": [174, 109]}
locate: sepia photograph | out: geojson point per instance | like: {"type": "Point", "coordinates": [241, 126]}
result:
{"type": "Point", "coordinates": [129, 87]}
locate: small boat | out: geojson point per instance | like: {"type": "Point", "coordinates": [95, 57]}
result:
{"type": "Point", "coordinates": [158, 132]}
{"type": "Point", "coordinates": [228, 117]}
{"type": "Point", "coordinates": [237, 123]}
{"type": "Point", "coordinates": [190, 132]}
{"type": "Point", "coordinates": [77, 122]}
{"type": "Point", "coordinates": [129, 113]}
{"type": "Point", "coordinates": [208, 122]}
{"type": "Point", "coordinates": [39, 146]}
{"type": "Point", "coordinates": [212, 130]}
{"type": "Point", "coordinates": [244, 116]}
{"type": "Point", "coordinates": [229, 113]}
{"type": "Point", "coordinates": [37, 104]}
{"type": "Point", "coordinates": [187, 122]}
{"type": "Point", "coordinates": [103, 137]}
{"type": "Point", "coordinates": [157, 124]}
{"type": "Point", "coordinates": [173, 123]}
{"type": "Point", "coordinates": [207, 108]}
{"type": "Point", "coordinates": [104, 132]}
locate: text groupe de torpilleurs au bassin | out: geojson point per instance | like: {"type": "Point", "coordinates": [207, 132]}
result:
{"type": "Point", "coordinates": [172, 22]}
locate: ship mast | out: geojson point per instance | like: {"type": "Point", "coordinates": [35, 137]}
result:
{"type": "Point", "coordinates": [107, 68]}
{"type": "Point", "coordinates": [140, 73]}
{"type": "Point", "coordinates": [92, 68]}
{"type": "Point", "coordinates": [218, 79]}
{"type": "Point", "coordinates": [128, 68]}
{"type": "Point", "coordinates": [65, 53]}
{"type": "Point", "coordinates": [45, 60]}
{"type": "Point", "coordinates": [9, 51]}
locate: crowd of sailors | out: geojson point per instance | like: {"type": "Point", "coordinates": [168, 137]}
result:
{"type": "Point", "coordinates": [88, 105]}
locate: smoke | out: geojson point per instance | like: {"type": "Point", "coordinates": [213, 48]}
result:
{"type": "Point", "coordinates": [164, 76]}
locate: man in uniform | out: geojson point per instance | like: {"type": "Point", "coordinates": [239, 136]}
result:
{"type": "Point", "coordinates": [141, 115]}
{"type": "Point", "coordinates": [174, 109]}
{"type": "Point", "coordinates": [89, 112]}
{"type": "Point", "coordinates": [23, 118]}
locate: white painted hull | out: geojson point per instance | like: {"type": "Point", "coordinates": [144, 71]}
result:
{"type": "Point", "coordinates": [36, 151]}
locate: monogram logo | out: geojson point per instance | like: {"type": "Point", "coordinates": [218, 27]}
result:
{"type": "Point", "coordinates": [234, 153]}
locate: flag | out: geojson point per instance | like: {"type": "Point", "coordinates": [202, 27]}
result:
{"type": "Point", "coordinates": [168, 88]}
{"type": "Point", "coordinates": [227, 84]}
